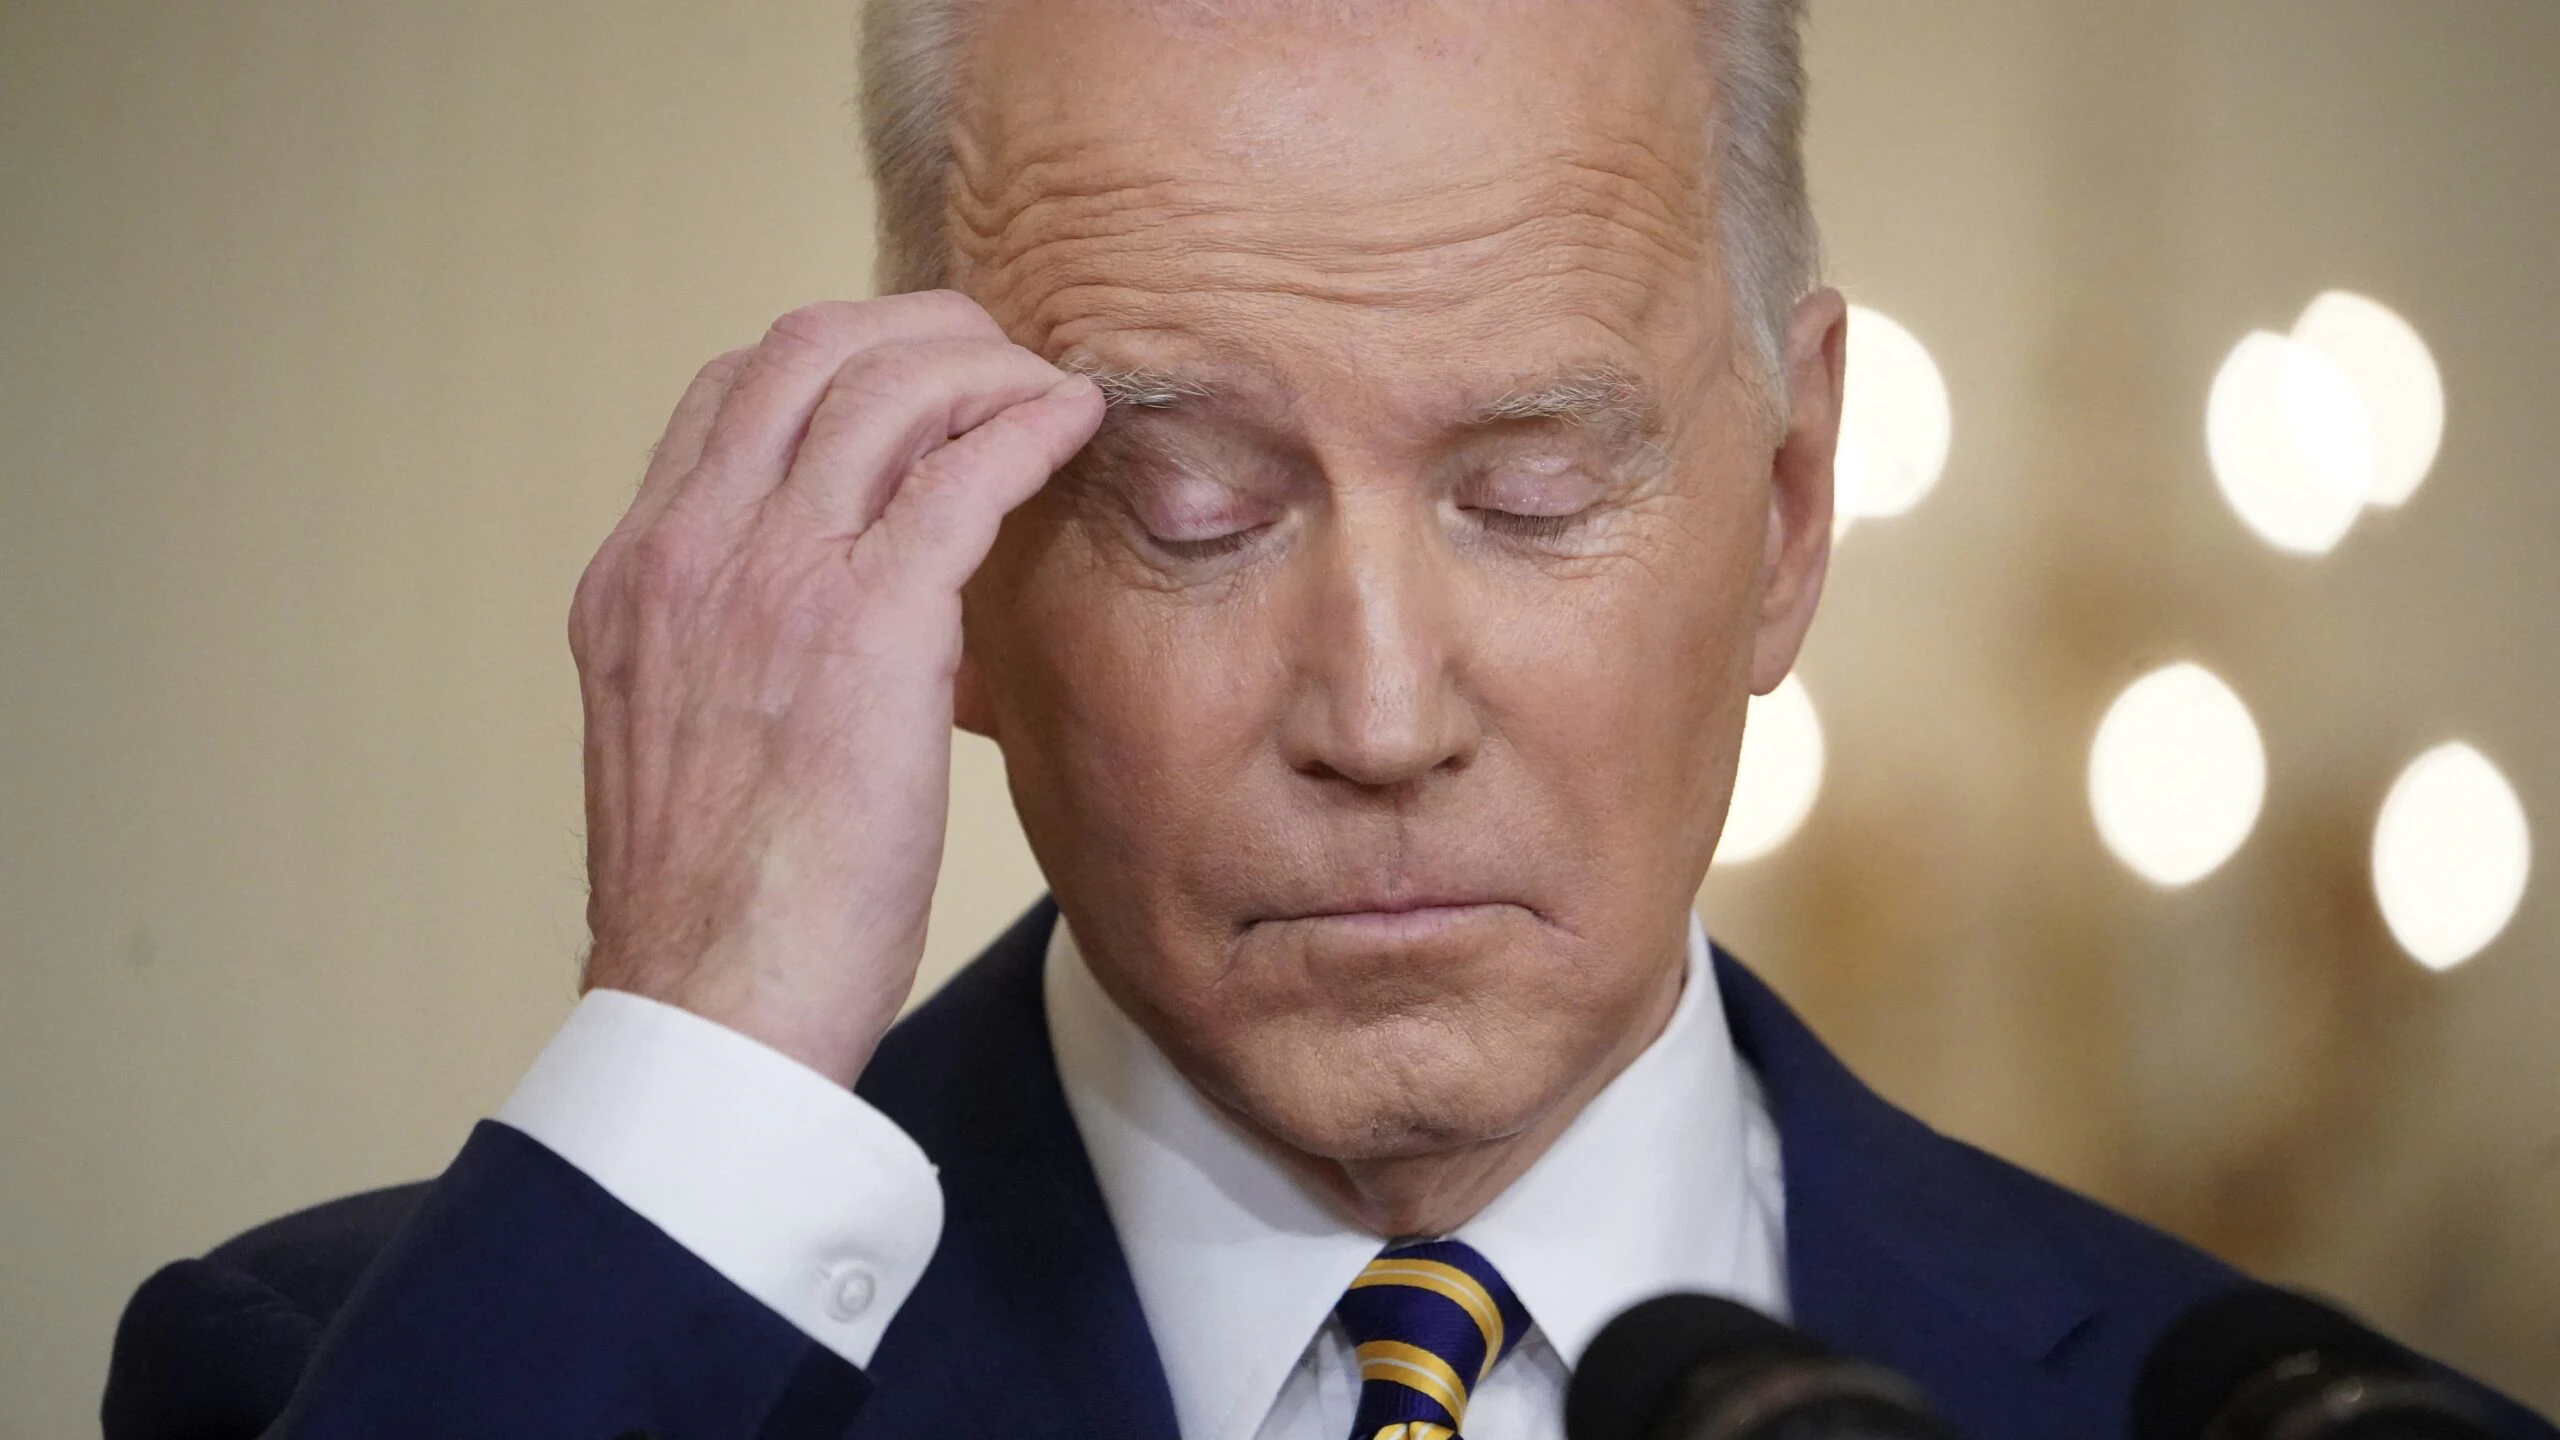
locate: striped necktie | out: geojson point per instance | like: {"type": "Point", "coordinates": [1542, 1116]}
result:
{"type": "Point", "coordinates": [1430, 1319]}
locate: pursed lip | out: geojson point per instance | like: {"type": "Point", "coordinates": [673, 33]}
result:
{"type": "Point", "coordinates": [1395, 910]}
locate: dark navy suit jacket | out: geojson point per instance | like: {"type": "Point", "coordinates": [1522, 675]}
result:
{"type": "Point", "coordinates": [512, 1296]}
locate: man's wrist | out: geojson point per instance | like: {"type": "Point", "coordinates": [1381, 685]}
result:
{"type": "Point", "coordinates": [830, 1032]}
{"type": "Point", "coordinates": [784, 1181]}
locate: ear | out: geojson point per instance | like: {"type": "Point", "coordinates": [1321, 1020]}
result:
{"type": "Point", "coordinates": [1798, 553]}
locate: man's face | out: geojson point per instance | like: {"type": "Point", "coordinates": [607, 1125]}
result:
{"type": "Point", "coordinates": [1371, 688]}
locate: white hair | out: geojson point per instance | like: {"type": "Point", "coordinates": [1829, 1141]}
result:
{"type": "Point", "coordinates": [1764, 219]}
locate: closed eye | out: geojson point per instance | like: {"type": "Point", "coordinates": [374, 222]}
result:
{"type": "Point", "coordinates": [1533, 497]}
{"type": "Point", "coordinates": [1209, 548]}
{"type": "Point", "coordinates": [1189, 516]}
{"type": "Point", "coordinates": [1529, 527]}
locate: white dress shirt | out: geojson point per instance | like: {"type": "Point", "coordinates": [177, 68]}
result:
{"type": "Point", "coordinates": [812, 1201]}
{"type": "Point", "coordinates": [1668, 1180]}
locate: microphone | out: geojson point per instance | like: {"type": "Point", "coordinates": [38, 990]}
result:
{"type": "Point", "coordinates": [1694, 1367]}
{"type": "Point", "coordinates": [2259, 1363]}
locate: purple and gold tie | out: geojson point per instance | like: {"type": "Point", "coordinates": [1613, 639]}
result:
{"type": "Point", "coordinates": [1430, 1320]}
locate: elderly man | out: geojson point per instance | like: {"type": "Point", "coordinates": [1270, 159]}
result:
{"type": "Point", "coordinates": [1365, 455]}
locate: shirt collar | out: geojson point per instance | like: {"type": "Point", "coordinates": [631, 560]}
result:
{"type": "Point", "coordinates": [1238, 1266]}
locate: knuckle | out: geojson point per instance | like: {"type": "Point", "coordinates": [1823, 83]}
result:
{"type": "Point", "coordinates": [877, 376]}
{"type": "Point", "coordinates": [720, 369]}
{"type": "Point", "coordinates": [806, 335]}
{"type": "Point", "coordinates": [862, 392]}
{"type": "Point", "coordinates": [950, 310]}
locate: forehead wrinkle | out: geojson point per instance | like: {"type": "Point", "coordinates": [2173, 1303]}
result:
{"type": "Point", "coordinates": [1081, 187]}
{"type": "Point", "coordinates": [1600, 207]}
{"type": "Point", "coordinates": [1207, 292]}
{"type": "Point", "coordinates": [1084, 211]}
{"type": "Point", "coordinates": [1069, 186]}
{"type": "Point", "coordinates": [1038, 130]}
{"type": "Point", "coordinates": [1039, 213]}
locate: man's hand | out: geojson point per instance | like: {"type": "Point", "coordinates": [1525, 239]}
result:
{"type": "Point", "coordinates": [766, 646]}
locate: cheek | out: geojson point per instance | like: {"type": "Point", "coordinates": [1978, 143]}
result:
{"type": "Point", "coordinates": [1620, 687]}
{"type": "Point", "coordinates": [1142, 713]}
{"type": "Point", "coordinates": [1619, 695]}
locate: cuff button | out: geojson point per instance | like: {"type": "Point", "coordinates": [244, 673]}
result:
{"type": "Point", "coordinates": [850, 1288]}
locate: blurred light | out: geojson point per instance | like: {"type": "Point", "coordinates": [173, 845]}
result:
{"type": "Point", "coordinates": [1779, 774]}
{"type": "Point", "coordinates": [2387, 363]}
{"type": "Point", "coordinates": [2450, 855]}
{"type": "Point", "coordinates": [2176, 775]}
{"type": "Point", "coordinates": [1895, 423]}
{"type": "Point", "coordinates": [2290, 443]}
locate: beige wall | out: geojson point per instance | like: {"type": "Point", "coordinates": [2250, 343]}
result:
{"type": "Point", "coordinates": [2082, 207]}
{"type": "Point", "coordinates": [333, 336]}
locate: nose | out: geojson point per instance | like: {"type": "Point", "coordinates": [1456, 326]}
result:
{"type": "Point", "coordinates": [1380, 700]}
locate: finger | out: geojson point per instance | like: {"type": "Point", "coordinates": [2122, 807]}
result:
{"type": "Point", "coordinates": [680, 448]}
{"type": "Point", "coordinates": [942, 521]}
{"type": "Point", "coordinates": [888, 409]}
{"type": "Point", "coordinates": [759, 423]}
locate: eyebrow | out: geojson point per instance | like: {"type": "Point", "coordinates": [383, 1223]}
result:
{"type": "Point", "coordinates": [1609, 396]}
{"type": "Point", "coordinates": [1136, 388]}
{"type": "Point", "coordinates": [1587, 394]}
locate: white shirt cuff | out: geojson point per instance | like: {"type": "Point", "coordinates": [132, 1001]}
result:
{"type": "Point", "coordinates": [791, 1186]}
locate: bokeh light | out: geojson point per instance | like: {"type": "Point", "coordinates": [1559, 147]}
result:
{"type": "Point", "coordinates": [2176, 775]}
{"type": "Point", "coordinates": [1895, 422]}
{"type": "Point", "coordinates": [1779, 774]}
{"type": "Point", "coordinates": [2451, 852]}
{"type": "Point", "coordinates": [2383, 358]}
{"type": "Point", "coordinates": [2290, 444]}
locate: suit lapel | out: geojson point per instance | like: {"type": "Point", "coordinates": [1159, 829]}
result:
{"type": "Point", "coordinates": [1026, 1323]}
{"type": "Point", "coordinates": [1902, 1248]}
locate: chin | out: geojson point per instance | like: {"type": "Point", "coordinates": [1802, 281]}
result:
{"type": "Point", "coordinates": [1404, 1088]}
{"type": "Point", "coordinates": [1345, 1043]}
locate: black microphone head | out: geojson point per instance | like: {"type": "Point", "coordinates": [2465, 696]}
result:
{"type": "Point", "coordinates": [1632, 1374]}
{"type": "Point", "coordinates": [2247, 1340]}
